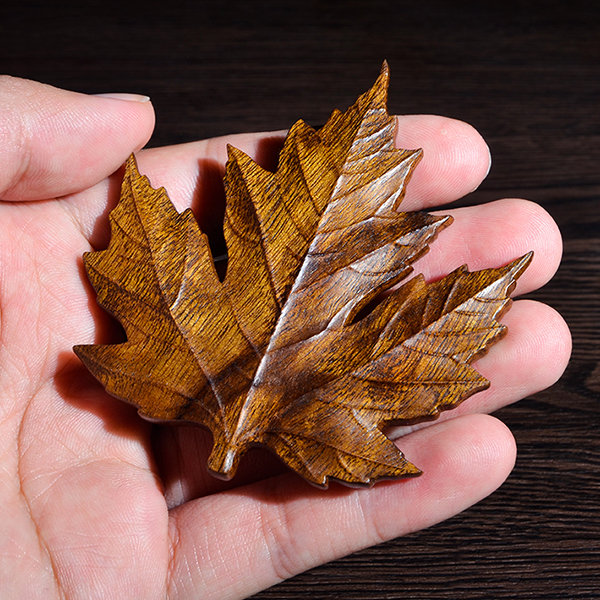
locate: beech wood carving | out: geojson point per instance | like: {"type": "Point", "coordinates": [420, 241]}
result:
{"type": "Point", "coordinates": [297, 349]}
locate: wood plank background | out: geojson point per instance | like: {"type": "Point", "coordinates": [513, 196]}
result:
{"type": "Point", "coordinates": [527, 75]}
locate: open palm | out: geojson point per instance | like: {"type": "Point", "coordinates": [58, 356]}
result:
{"type": "Point", "coordinates": [98, 503]}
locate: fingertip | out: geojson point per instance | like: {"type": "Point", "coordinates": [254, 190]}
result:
{"type": "Point", "coordinates": [526, 226]}
{"type": "Point", "coordinates": [58, 142]}
{"type": "Point", "coordinates": [561, 343]}
{"type": "Point", "coordinates": [456, 158]}
{"type": "Point", "coordinates": [531, 357]}
{"type": "Point", "coordinates": [466, 157]}
{"type": "Point", "coordinates": [539, 337]}
{"type": "Point", "coordinates": [544, 234]}
{"type": "Point", "coordinates": [494, 449]}
{"type": "Point", "coordinates": [483, 459]}
{"type": "Point", "coordinates": [523, 226]}
{"type": "Point", "coordinates": [515, 227]}
{"type": "Point", "coordinates": [463, 460]}
{"type": "Point", "coordinates": [134, 113]}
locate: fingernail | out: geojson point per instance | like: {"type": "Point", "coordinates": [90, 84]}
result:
{"type": "Point", "coordinates": [127, 97]}
{"type": "Point", "coordinates": [489, 162]}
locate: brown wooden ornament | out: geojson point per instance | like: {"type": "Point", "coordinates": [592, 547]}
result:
{"type": "Point", "coordinates": [296, 349]}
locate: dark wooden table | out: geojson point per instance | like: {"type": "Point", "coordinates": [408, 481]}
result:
{"type": "Point", "coordinates": [527, 75]}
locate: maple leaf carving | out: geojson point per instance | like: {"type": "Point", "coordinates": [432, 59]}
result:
{"type": "Point", "coordinates": [297, 348]}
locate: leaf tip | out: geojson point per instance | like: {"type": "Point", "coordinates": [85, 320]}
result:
{"type": "Point", "coordinates": [235, 155]}
{"type": "Point", "coordinates": [443, 221]}
{"type": "Point", "coordinates": [411, 470]}
{"type": "Point", "coordinates": [404, 471]}
{"type": "Point", "coordinates": [518, 266]}
{"type": "Point", "coordinates": [515, 269]}
{"type": "Point", "coordinates": [84, 353]}
{"type": "Point", "coordinates": [383, 80]}
{"type": "Point", "coordinates": [131, 166]}
{"type": "Point", "coordinates": [378, 93]}
{"type": "Point", "coordinates": [223, 460]}
{"type": "Point", "coordinates": [385, 68]}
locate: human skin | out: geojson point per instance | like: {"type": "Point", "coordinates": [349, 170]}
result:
{"type": "Point", "coordinates": [98, 503]}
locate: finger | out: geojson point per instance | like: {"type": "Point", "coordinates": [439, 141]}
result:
{"type": "Point", "coordinates": [55, 142]}
{"type": "Point", "coordinates": [494, 234]}
{"type": "Point", "coordinates": [236, 543]}
{"type": "Point", "coordinates": [531, 357]}
{"type": "Point", "coordinates": [455, 161]}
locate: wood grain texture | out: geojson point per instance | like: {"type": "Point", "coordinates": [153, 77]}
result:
{"type": "Point", "coordinates": [296, 349]}
{"type": "Point", "coordinates": [527, 75]}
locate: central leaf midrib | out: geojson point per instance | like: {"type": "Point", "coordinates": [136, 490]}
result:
{"type": "Point", "coordinates": [282, 319]}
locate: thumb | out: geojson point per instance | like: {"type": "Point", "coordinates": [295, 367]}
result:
{"type": "Point", "coordinates": [54, 142]}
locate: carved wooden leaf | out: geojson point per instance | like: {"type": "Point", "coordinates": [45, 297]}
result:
{"type": "Point", "coordinates": [295, 349]}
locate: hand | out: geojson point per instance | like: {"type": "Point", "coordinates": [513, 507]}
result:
{"type": "Point", "coordinates": [98, 503]}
